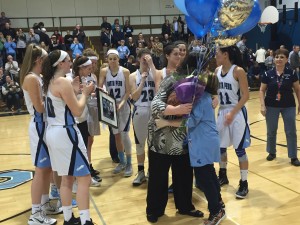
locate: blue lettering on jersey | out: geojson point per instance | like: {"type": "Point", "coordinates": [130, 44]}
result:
{"type": "Point", "coordinates": [224, 85]}
{"type": "Point", "coordinates": [13, 178]}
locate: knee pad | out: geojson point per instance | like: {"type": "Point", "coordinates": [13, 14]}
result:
{"type": "Point", "coordinates": [126, 142]}
{"type": "Point", "coordinates": [140, 149]}
{"type": "Point", "coordinates": [241, 154]}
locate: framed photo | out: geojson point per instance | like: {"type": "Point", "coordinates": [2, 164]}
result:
{"type": "Point", "coordinates": [107, 108]}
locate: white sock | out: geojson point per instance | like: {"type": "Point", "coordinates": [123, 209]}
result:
{"type": "Point", "coordinates": [35, 208]}
{"type": "Point", "coordinates": [244, 175]}
{"type": "Point", "coordinates": [223, 165]}
{"type": "Point", "coordinates": [52, 185]}
{"type": "Point", "coordinates": [84, 215]}
{"type": "Point", "coordinates": [67, 210]}
{"type": "Point", "coordinates": [45, 198]}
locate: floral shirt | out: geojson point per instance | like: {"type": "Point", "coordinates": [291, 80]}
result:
{"type": "Point", "coordinates": [167, 140]}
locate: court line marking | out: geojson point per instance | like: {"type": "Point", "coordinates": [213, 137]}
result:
{"type": "Point", "coordinates": [97, 210]}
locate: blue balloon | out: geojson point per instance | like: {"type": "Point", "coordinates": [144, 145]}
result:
{"type": "Point", "coordinates": [249, 23]}
{"type": "Point", "coordinates": [202, 10]}
{"type": "Point", "coordinates": [180, 4]}
{"type": "Point", "coordinates": [197, 29]}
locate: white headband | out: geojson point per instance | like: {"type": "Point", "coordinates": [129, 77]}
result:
{"type": "Point", "coordinates": [93, 57]}
{"type": "Point", "coordinates": [113, 51]}
{"type": "Point", "coordinates": [44, 53]}
{"type": "Point", "coordinates": [62, 56]}
{"type": "Point", "coordinates": [89, 62]}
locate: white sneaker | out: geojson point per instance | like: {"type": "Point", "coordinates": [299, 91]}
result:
{"type": "Point", "coordinates": [39, 218]}
{"type": "Point", "coordinates": [49, 209]}
{"type": "Point", "coordinates": [128, 171]}
{"type": "Point", "coordinates": [94, 183]}
{"type": "Point", "coordinates": [139, 179]}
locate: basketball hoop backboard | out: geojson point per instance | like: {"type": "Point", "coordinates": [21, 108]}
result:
{"type": "Point", "coordinates": [269, 15]}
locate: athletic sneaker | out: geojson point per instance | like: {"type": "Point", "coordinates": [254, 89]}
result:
{"type": "Point", "coordinates": [39, 218]}
{"type": "Point", "coordinates": [53, 193]}
{"type": "Point", "coordinates": [94, 183]}
{"type": "Point", "coordinates": [89, 222]}
{"type": "Point", "coordinates": [243, 190]}
{"type": "Point", "coordinates": [93, 171]}
{"type": "Point", "coordinates": [96, 177]}
{"type": "Point", "coordinates": [73, 221]}
{"type": "Point", "coordinates": [215, 219]}
{"type": "Point", "coordinates": [119, 168]}
{"type": "Point", "coordinates": [128, 170]}
{"type": "Point", "coordinates": [139, 179]}
{"type": "Point", "coordinates": [59, 205]}
{"type": "Point", "coordinates": [223, 177]}
{"type": "Point", "coordinates": [49, 209]}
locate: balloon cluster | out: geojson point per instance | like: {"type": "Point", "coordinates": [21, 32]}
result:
{"type": "Point", "coordinates": [223, 20]}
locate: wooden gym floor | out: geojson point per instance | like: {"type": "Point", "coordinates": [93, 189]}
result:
{"type": "Point", "coordinates": [274, 196]}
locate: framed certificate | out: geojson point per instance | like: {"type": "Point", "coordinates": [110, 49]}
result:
{"type": "Point", "coordinates": [107, 108]}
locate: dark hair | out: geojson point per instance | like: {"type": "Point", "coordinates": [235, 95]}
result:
{"type": "Point", "coordinates": [282, 52]}
{"type": "Point", "coordinates": [168, 49]}
{"type": "Point", "coordinates": [78, 62]}
{"type": "Point", "coordinates": [32, 53]}
{"type": "Point", "coordinates": [234, 54]}
{"type": "Point", "coordinates": [48, 70]}
{"type": "Point", "coordinates": [143, 51]}
{"type": "Point", "coordinates": [212, 84]}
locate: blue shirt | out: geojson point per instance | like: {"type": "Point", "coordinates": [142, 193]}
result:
{"type": "Point", "coordinates": [123, 51]}
{"type": "Point", "coordinates": [203, 137]}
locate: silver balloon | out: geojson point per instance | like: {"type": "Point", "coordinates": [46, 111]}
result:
{"type": "Point", "coordinates": [222, 41]}
{"type": "Point", "coordinates": [234, 12]}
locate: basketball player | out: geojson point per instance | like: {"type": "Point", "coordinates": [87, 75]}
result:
{"type": "Point", "coordinates": [116, 80]}
{"type": "Point", "coordinates": [32, 87]}
{"type": "Point", "coordinates": [232, 116]}
{"type": "Point", "coordinates": [142, 93]}
{"type": "Point", "coordinates": [69, 156]}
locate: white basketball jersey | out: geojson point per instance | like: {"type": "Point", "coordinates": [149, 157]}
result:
{"type": "Point", "coordinates": [148, 90]}
{"type": "Point", "coordinates": [229, 88]}
{"type": "Point", "coordinates": [38, 117]}
{"type": "Point", "coordinates": [115, 85]}
{"type": "Point", "coordinates": [58, 113]}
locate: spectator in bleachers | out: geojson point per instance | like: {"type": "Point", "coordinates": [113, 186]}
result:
{"type": "Point", "coordinates": [141, 40]}
{"type": "Point", "coordinates": [53, 44]}
{"type": "Point", "coordinates": [79, 33]}
{"type": "Point", "coordinates": [124, 52]}
{"type": "Point", "coordinates": [166, 28]}
{"type": "Point", "coordinates": [3, 20]}
{"type": "Point", "coordinates": [157, 53]}
{"type": "Point", "coordinates": [44, 37]}
{"type": "Point", "coordinates": [10, 47]}
{"type": "Point", "coordinates": [131, 64]}
{"type": "Point", "coordinates": [2, 82]}
{"type": "Point", "coordinates": [12, 92]}
{"type": "Point", "coordinates": [21, 45]}
{"type": "Point", "coordinates": [8, 31]}
{"type": "Point", "coordinates": [131, 46]}
{"type": "Point", "coordinates": [106, 39]}
{"type": "Point", "coordinates": [118, 35]}
{"type": "Point", "coordinates": [254, 75]}
{"type": "Point", "coordinates": [176, 29]}
{"type": "Point", "coordinates": [260, 55]}
{"type": "Point", "coordinates": [139, 47]}
{"type": "Point", "coordinates": [115, 25]}
{"type": "Point", "coordinates": [76, 48]}
{"type": "Point", "coordinates": [60, 40]}
{"type": "Point", "coordinates": [2, 49]}
{"type": "Point", "coordinates": [166, 40]}
{"type": "Point", "coordinates": [127, 29]}
{"type": "Point", "coordinates": [105, 25]}
{"type": "Point", "coordinates": [12, 68]}
{"type": "Point", "coordinates": [150, 43]}
{"type": "Point", "coordinates": [68, 38]}
{"type": "Point", "coordinates": [32, 37]}
{"type": "Point", "coordinates": [269, 62]}
{"type": "Point", "coordinates": [294, 59]}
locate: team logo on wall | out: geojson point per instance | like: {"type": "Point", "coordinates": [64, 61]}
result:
{"type": "Point", "coordinates": [13, 178]}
